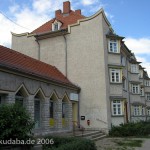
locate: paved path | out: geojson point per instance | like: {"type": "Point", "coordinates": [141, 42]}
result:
{"type": "Point", "coordinates": [145, 145]}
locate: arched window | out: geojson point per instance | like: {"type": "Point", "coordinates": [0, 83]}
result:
{"type": "Point", "coordinates": [37, 110]}
{"type": "Point", "coordinates": [19, 98]}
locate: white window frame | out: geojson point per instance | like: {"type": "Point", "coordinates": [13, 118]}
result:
{"type": "Point", "coordinates": [148, 111]}
{"type": "Point", "coordinates": [115, 75]}
{"type": "Point", "coordinates": [113, 46]}
{"type": "Point", "coordinates": [135, 88]}
{"type": "Point", "coordinates": [56, 23]}
{"type": "Point", "coordinates": [117, 108]}
{"type": "Point", "coordinates": [147, 82]}
{"type": "Point", "coordinates": [134, 68]}
{"type": "Point", "coordinates": [138, 110]}
{"type": "Point", "coordinates": [142, 91]}
{"type": "Point", "coordinates": [148, 96]}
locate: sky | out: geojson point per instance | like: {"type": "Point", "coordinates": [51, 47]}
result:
{"type": "Point", "coordinates": [128, 18]}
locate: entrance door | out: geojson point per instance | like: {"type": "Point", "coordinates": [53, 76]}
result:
{"type": "Point", "coordinates": [74, 112]}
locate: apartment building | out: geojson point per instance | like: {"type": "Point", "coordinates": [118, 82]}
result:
{"type": "Point", "coordinates": [115, 88]}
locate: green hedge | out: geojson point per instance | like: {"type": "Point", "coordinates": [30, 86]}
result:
{"type": "Point", "coordinates": [15, 123]}
{"type": "Point", "coordinates": [69, 143]}
{"type": "Point", "coordinates": [131, 129]}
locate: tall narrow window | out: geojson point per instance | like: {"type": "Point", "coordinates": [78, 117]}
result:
{"type": "Point", "coordinates": [136, 111]}
{"type": "Point", "coordinates": [135, 88]}
{"type": "Point", "coordinates": [55, 26]}
{"type": "Point", "coordinates": [116, 107]}
{"type": "Point", "coordinates": [148, 111]}
{"type": "Point", "coordinates": [37, 112]}
{"type": "Point", "coordinates": [142, 91]}
{"type": "Point", "coordinates": [115, 75]}
{"type": "Point", "coordinates": [19, 98]}
{"type": "Point", "coordinates": [113, 46]}
{"type": "Point", "coordinates": [63, 110]}
{"type": "Point", "coordinates": [148, 96]}
{"type": "Point", "coordinates": [51, 109]}
{"type": "Point", "coordinates": [134, 68]}
{"type": "Point", "coordinates": [124, 83]}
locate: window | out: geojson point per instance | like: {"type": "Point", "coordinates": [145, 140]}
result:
{"type": "Point", "coordinates": [19, 98]}
{"type": "Point", "coordinates": [55, 26]}
{"type": "Point", "coordinates": [51, 109]}
{"type": "Point", "coordinates": [148, 96]}
{"type": "Point", "coordinates": [135, 88]}
{"type": "Point", "coordinates": [123, 60]}
{"type": "Point", "coordinates": [63, 110]}
{"type": "Point", "coordinates": [142, 91]}
{"type": "Point", "coordinates": [116, 107]}
{"type": "Point", "coordinates": [141, 74]}
{"type": "Point", "coordinates": [134, 68]}
{"type": "Point", "coordinates": [37, 112]}
{"type": "Point", "coordinates": [147, 83]}
{"type": "Point", "coordinates": [138, 110]}
{"type": "Point", "coordinates": [124, 83]}
{"type": "Point", "coordinates": [148, 111]}
{"type": "Point", "coordinates": [115, 75]}
{"type": "Point", "coordinates": [113, 46]}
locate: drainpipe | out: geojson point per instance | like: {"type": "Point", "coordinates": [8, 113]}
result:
{"type": "Point", "coordinates": [128, 88]}
{"type": "Point", "coordinates": [66, 59]}
{"type": "Point", "coordinates": [39, 52]}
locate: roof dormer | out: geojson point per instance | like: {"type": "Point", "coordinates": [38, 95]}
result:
{"type": "Point", "coordinates": [56, 25]}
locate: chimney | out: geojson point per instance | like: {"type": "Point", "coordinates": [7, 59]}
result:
{"type": "Point", "coordinates": [66, 7]}
{"type": "Point", "coordinates": [78, 11]}
{"type": "Point", "coordinates": [57, 13]}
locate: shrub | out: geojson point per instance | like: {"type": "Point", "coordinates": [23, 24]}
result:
{"type": "Point", "coordinates": [131, 129]}
{"type": "Point", "coordinates": [15, 122]}
{"type": "Point", "coordinates": [70, 143]}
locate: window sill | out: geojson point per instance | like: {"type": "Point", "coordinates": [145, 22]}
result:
{"type": "Point", "coordinates": [116, 83]}
{"type": "Point", "coordinates": [142, 95]}
{"type": "Point", "coordinates": [117, 115]}
{"type": "Point", "coordinates": [139, 116]}
{"type": "Point", "coordinates": [135, 94]}
{"type": "Point", "coordinates": [114, 53]}
{"type": "Point", "coordinates": [136, 73]}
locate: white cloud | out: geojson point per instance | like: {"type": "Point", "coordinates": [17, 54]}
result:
{"type": "Point", "coordinates": [88, 2]}
{"type": "Point", "coordinates": [139, 46]}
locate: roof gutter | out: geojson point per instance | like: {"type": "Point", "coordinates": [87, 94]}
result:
{"type": "Point", "coordinates": [45, 35]}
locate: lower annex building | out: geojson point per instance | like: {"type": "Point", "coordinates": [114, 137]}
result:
{"type": "Point", "coordinates": [42, 89]}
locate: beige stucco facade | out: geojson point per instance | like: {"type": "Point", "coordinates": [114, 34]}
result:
{"type": "Point", "coordinates": [82, 54]}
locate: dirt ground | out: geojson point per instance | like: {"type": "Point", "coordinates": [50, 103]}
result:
{"type": "Point", "coordinates": [116, 144]}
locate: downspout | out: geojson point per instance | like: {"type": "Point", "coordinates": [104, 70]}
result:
{"type": "Point", "coordinates": [39, 51]}
{"type": "Point", "coordinates": [66, 57]}
{"type": "Point", "coordinates": [128, 89]}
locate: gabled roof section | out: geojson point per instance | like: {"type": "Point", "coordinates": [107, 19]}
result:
{"type": "Point", "coordinates": [67, 17]}
{"type": "Point", "coordinates": [16, 61]}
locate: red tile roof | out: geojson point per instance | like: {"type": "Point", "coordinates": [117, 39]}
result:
{"type": "Point", "coordinates": [65, 20]}
{"type": "Point", "coordinates": [20, 62]}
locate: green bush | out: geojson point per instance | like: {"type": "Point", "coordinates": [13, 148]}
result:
{"type": "Point", "coordinates": [15, 122]}
{"type": "Point", "coordinates": [131, 129]}
{"type": "Point", "coordinates": [69, 143]}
